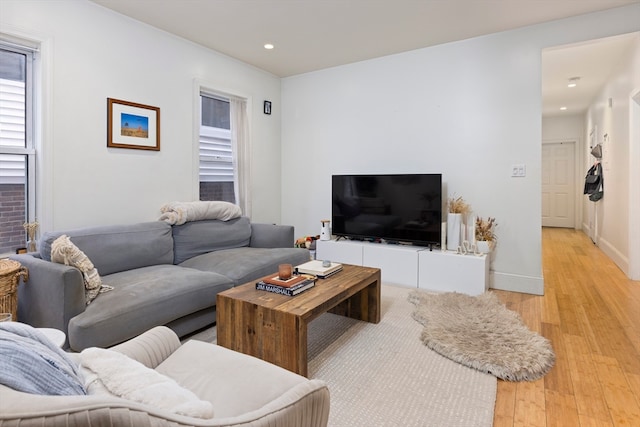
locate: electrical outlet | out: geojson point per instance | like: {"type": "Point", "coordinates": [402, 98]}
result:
{"type": "Point", "coordinates": [518, 170]}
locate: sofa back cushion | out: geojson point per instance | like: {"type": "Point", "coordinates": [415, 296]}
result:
{"type": "Point", "coordinates": [200, 237]}
{"type": "Point", "coordinates": [119, 247]}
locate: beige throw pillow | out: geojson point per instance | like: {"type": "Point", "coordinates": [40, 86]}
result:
{"type": "Point", "coordinates": [63, 251]}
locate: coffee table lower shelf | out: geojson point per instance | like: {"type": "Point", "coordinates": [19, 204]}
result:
{"type": "Point", "coordinates": [273, 327]}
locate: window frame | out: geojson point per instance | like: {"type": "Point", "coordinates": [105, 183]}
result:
{"type": "Point", "coordinates": [32, 56]}
{"type": "Point", "coordinates": [242, 154]}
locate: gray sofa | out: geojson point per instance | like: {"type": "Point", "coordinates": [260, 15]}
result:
{"type": "Point", "coordinates": [161, 275]}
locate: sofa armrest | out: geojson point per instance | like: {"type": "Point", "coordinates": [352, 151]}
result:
{"type": "Point", "coordinates": [305, 405]}
{"type": "Point", "coordinates": [152, 347]}
{"type": "Point", "coordinates": [271, 236]}
{"type": "Point", "coordinates": [53, 294]}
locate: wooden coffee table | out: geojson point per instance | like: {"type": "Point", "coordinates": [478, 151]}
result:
{"type": "Point", "coordinates": [273, 327]}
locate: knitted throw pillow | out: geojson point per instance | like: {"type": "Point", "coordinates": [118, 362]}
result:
{"type": "Point", "coordinates": [63, 251]}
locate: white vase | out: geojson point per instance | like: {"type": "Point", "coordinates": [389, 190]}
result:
{"type": "Point", "coordinates": [485, 246]}
{"type": "Point", "coordinates": [454, 222]}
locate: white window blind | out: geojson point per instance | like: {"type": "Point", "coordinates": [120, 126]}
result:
{"type": "Point", "coordinates": [12, 131]}
{"type": "Point", "coordinates": [216, 159]}
{"type": "Point", "coordinates": [216, 153]}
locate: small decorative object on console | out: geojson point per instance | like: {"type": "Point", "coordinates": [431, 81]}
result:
{"type": "Point", "coordinates": [325, 232]}
{"type": "Point", "coordinates": [485, 234]}
{"type": "Point", "coordinates": [457, 209]}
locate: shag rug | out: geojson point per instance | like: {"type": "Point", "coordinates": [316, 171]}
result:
{"type": "Point", "coordinates": [480, 332]}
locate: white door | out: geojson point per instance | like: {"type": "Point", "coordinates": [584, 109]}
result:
{"type": "Point", "coordinates": [558, 185]}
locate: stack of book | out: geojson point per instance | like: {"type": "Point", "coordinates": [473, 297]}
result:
{"type": "Point", "coordinates": [292, 286]}
{"type": "Point", "coordinates": [317, 268]}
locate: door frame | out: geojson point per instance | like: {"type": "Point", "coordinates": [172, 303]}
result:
{"type": "Point", "coordinates": [634, 176]}
{"type": "Point", "coordinates": [577, 176]}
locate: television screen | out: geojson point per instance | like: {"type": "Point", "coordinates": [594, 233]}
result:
{"type": "Point", "coordinates": [397, 208]}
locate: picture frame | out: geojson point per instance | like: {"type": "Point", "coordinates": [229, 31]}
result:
{"type": "Point", "coordinates": [267, 107]}
{"type": "Point", "coordinates": [132, 125]}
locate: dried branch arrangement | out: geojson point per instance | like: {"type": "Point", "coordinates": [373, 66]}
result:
{"type": "Point", "coordinates": [458, 205]}
{"type": "Point", "coordinates": [485, 229]}
{"type": "Point", "coordinates": [31, 228]}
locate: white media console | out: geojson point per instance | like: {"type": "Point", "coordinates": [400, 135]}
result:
{"type": "Point", "coordinates": [413, 266]}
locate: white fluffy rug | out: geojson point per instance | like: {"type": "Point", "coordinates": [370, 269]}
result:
{"type": "Point", "coordinates": [480, 332]}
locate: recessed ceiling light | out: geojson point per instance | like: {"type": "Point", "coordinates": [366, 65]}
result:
{"type": "Point", "coordinates": [269, 46]}
{"type": "Point", "coordinates": [563, 108]}
{"type": "Point", "coordinates": [573, 82]}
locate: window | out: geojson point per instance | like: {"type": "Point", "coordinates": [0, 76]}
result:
{"type": "Point", "coordinates": [17, 152]}
{"type": "Point", "coordinates": [224, 147]}
{"type": "Point", "coordinates": [216, 153]}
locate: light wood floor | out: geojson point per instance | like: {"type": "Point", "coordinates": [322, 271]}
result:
{"type": "Point", "coordinates": [591, 313]}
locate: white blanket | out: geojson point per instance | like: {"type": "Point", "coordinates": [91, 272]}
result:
{"type": "Point", "coordinates": [130, 379]}
{"type": "Point", "coordinates": [177, 213]}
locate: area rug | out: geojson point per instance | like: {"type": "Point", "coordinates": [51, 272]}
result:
{"type": "Point", "coordinates": [480, 332]}
{"type": "Point", "coordinates": [382, 375]}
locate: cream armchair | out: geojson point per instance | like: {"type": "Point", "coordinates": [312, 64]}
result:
{"type": "Point", "coordinates": [244, 391]}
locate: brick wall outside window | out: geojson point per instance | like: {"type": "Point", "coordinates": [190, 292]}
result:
{"type": "Point", "coordinates": [217, 191]}
{"type": "Point", "coordinates": [12, 217]}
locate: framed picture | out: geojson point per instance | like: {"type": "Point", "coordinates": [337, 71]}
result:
{"type": "Point", "coordinates": [131, 125]}
{"type": "Point", "coordinates": [267, 107]}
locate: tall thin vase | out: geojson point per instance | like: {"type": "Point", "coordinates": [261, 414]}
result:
{"type": "Point", "coordinates": [454, 222]}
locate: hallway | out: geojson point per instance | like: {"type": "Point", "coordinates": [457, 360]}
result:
{"type": "Point", "coordinates": [590, 311]}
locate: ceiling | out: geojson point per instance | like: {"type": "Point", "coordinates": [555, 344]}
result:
{"type": "Point", "coordinates": [592, 61]}
{"type": "Point", "coordinates": [311, 35]}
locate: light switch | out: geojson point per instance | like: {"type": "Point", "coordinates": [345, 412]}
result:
{"type": "Point", "coordinates": [519, 170]}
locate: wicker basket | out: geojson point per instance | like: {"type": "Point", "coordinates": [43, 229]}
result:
{"type": "Point", "coordinates": [10, 273]}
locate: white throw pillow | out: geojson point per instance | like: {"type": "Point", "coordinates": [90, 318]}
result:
{"type": "Point", "coordinates": [63, 251]}
{"type": "Point", "coordinates": [131, 380]}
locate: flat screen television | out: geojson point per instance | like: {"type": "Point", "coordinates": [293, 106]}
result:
{"type": "Point", "coordinates": [397, 208]}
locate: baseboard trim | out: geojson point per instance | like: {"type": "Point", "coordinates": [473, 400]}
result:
{"type": "Point", "coordinates": [612, 252]}
{"type": "Point", "coordinates": [516, 283]}
{"type": "Point", "coordinates": [616, 256]}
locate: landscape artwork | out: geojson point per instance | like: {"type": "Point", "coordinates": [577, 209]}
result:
{"type": "Point", "coordinates": [132, 125]}
{"type": "Point", "coordinates": [135, 126]}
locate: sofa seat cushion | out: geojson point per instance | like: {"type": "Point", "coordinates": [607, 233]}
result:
{"type": "Point", "coordinates": [245, 264]}
{"type": "Point", "coordinates": [233, 382]}
{"type": "Point", "coordinates": [141, 299]}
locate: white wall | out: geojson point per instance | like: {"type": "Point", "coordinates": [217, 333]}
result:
{"type": "Point", "coordinates": [610, 114]}
{"type": "Point", "coordinates": [468, 109]}
{"type": "Point", "coordinates": [91, 53]}
{"type": "Point", "coordinates": [563, 128]}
